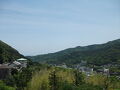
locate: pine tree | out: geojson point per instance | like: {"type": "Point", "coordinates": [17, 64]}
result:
{"type": "Point", "coordinates": [78, 78]}
{"type": "Point", "coordinates": [53, 80]}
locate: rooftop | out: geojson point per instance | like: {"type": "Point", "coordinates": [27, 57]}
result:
{"type": "Point", "coordinates": [22, 59]}
{"type": "Point", "coordinates": [17, 63]}
{"type": "Point", "coordinates": [4, 66]}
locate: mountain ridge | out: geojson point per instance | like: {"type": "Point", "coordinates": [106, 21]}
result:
{"type": "Point", "coordinates": [102, 53]}
{"type": "Point", "coordinates": [8, 53]}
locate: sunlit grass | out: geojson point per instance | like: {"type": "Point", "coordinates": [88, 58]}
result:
{"type": "Point", "coordinates": [40, 79]}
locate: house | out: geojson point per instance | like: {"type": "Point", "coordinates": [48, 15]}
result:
{"type": "Point", "coordinates": [83, 68]}
{"type": "Point", "coordinates": [63, 65]}
{"type": "Point", "coordinates": [104, 71]}
{"type": "Point", "coordinates": [23, 62]}
{"type": "Point", "coordinates": [5, 71]}
{"type": "Point", "coordinates": [88, 71]}
{"type": "Point", "coordinates": [100, 70]}
{"type": "Point", "coordinates": [16, 65]}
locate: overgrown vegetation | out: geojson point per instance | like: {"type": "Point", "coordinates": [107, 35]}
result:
{"type": "Point", "coordinates": [55, 78]}
{"type": "Point", "coordinates": [43, 77]}
{"type": "Point", "coordinates": [3, 86]}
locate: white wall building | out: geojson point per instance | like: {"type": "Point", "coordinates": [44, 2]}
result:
{"type": "Point", "coordinates": [23, 62]}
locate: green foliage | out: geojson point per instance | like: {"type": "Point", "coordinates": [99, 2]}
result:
{"type": "Point", "coordinates": [93, 54]}
{"type": "Point", "coordinates": [79, 79]}
{"type": "Point", "coordinates": [20, 79]}
{"type": "Point", "coordinates": [64, 79]}
{"type": "Point", "coordinates": [7, 53]}
{"type": "Point", "coordinates": [89, 87]}
{"type": "Point", "coordinates": [10, 81]}
{"type": "Point", "coordinates": [53, 80]}
{"type": "Point", "coordinates": [4, 87]}
{"type": "Point", "coordinates": [40, 80]}
{"type": "Point", "coordinates": [43, 77]}
{"type": "Point", "coordinates": [105, 82]}
{"type": "Point", "coordinates": [67, 86]}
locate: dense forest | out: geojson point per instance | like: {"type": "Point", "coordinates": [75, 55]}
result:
{"type": "Point", "coordinates": [7, 53]}
{"type": "Point", "coordinates": [94, 54]}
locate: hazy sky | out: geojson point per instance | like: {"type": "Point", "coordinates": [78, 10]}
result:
{"type": "Point", "coordinates": [45, 26]}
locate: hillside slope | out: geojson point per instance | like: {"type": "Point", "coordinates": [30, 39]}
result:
{"type": "Point", "coordinates": [7, 53]}
{"type": "Point", "coordinates": [94, 54]}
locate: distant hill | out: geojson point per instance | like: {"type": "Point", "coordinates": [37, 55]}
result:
{"type": "Point", "coordinates": [7, 53]}
{"type": "Point", "coordinates": [94, 54]}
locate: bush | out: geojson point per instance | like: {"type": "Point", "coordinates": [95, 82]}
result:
{"type": "Point", "coordinates": [4, 87]}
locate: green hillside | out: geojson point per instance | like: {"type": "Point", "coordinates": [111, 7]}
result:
{"type": "Point", "coordinates": [93, 54]}
{"type": "Point", "coordinates": [7, 53]}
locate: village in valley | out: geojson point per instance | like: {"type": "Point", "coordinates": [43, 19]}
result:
{"type": "Point", "coordinates": [92, 70]}
{"type": "Point", "coordinates": [82, 67]}
{"type": "Point", "coordinates": [25, 73]}
{"type": "Point", "coordinates": [64, 69]}
{"type": "Point", "coordinates": [5, 68]}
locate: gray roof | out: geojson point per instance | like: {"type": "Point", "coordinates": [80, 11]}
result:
{"type": "Point", "coordinates": [2, 66]}
{"type": "Point", "coordinates": [17, 63]}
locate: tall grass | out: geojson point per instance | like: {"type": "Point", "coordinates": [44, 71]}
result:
{"type": "Point", "coordinates": [39, 81]}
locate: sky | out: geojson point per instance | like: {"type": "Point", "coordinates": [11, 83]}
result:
{"type": "Point", "coordinates": [46, 26]}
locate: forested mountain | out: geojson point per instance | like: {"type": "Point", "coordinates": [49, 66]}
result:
{"type": "Point", "coordinates": [94, 54]}
{"type": "Point", "coordinates": [7, 53]}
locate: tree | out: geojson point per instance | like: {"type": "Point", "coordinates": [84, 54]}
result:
{"type": "Point", "coordinates": [78, 78]}
{"type": "Point", "coordinates": [53, 80]}
{"type": "Point", "coordinates": [22, 78]}
{"type": "Point", "coordinates": [10, 81]}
